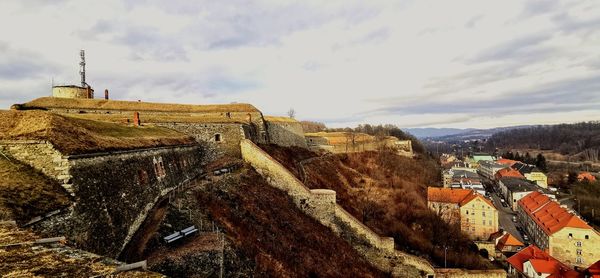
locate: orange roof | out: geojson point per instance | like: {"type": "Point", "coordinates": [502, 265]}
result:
{"type": "Point", "coordinates": [506, 161]}
{"type": "Point", "coordinates": [453, 195]}
{"type": "Point", "coordinates": [508, 172]}
{"type": "Point", "coordinates": [548, 214]}
{"type": "Point", "coordinates": [508, 240]}
{"type": "Point", "coordinates": [593, 270]}
{"type": "Point", "coordinates": [541, 262]}
{"type": "Point", "coordinates": [586, 175]}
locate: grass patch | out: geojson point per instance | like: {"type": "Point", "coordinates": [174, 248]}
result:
{"type": "Point", "coordinates": [76, 136]}
{"type": "Point", "coordinates": [25, 193]}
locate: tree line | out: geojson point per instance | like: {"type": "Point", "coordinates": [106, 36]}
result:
{"type": "Point", "coordinates": [581, 139]}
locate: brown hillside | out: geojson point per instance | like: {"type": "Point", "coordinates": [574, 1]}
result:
{"type": "Point", "coordinates": [76, 136]}
{"type": "Point", "coordinates": [388, 193]}
{"type": "Point", "coordinates": [263, 224]}
{"type": "Point", "coordinates": [25, 193]}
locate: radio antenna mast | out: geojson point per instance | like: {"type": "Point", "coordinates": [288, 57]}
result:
{"type": "Point", "coordinates": [82, 68]}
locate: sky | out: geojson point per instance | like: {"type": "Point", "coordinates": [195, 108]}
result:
{"type": "Point", "coordinates": [477, 64]}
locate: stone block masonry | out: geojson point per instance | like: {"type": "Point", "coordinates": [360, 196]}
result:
{"type": "Point", "coordinates": [222, 136]}
{"type": "Point", "coordinates": [320, 204]}
{"type": "Point", "coordinates": [40, 155]}
{"type": "Point", "coordinates": [112, 192]}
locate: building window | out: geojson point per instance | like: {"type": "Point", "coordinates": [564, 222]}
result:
{"type": "Point", "coordinates": [483, 222]}
{"type": "Point", "coordinates": [217, 137]}
{"type": "Point", "coordinates": [579, 252]}
{"type": "Point", "coordinates": [587, 237]}
{"type": "Point", "coordinates": [579, 260]}
{"type": "Point", "coordinates": [473, 229]}
{"type": "Point", "coordinates": [490, 222]}
{"type": "Point", "coordinates": [570, 235]}
{"type": "Point", "coordinates": [483, 213]}
{"type": "Point", "coordinates": [467, 212]}
{"type": "Point", "coordinates": [142, 177]}
{"type": "Point", "coordinates": [578, 244]}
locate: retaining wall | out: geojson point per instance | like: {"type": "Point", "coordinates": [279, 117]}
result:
{"type": "Point", "coordinates": [320, 204]}
{"type": "Point", "coordinates": [286, 133]}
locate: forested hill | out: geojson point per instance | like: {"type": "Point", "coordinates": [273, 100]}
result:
{"type": "Point", "coordinates": [579, 138]}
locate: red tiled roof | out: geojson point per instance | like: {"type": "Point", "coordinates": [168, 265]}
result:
{"type": "Point", "coordinates": [453, 195]}
{"type": "Point", "coordinates": [594, 270]}
{"type": "Point", "coordinates": [541, 262]}
{"type": "Point", "coordinates": [506, 161]}
{"type": "Point", "coordinates": [508, 172]}
{"type": "Point", "coordinates": [548, 214]}
{"type": "Point", "coordinates": [508, 240]}
{"type": "Point", "coordinates": [586, 175]}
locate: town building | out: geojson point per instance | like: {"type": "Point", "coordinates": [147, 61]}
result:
{"type": "Point", "coordinates": [506, 161]}
{"type": "Point", "coordinates": [582, 176]}
{"type": "Point", "coordinates": [507, 243]}
{"type": "Point", "coordinates": [508, 172]}
{"type": "Point", "coordinates": [558, 231]}
{"type": "Point", "coordinates": [477, 216]}
{"type": "Point", "coordinates": [535, 263]}
{"type": "Point", "coordinates": [478, 157]}
{"type": "Point", "coordinates": [513, 189]}
{"type": "Point", "coordinates": [531, 173]}
{"type": "Point", "coordinates": [489, 168]}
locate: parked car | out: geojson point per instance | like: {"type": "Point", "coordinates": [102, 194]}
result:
{"type": "Point", "coordinates": [525, 237]}
{"type": "Point", "coordinates": [514, 218]}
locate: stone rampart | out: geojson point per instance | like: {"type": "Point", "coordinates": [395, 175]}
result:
{"type": "Point", "coordinates": [289, 133]}
{"type": "Point", "coordinates": [112, 191]}
{"type": "Point", "coordinates": [320, 204]}
{"type": "Point", "coordinates": [223, 136]}
{"type": "Point", "coordinates": [40, 155]}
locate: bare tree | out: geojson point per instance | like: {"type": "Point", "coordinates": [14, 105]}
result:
{"type": "Point", "coordinates": [291, 113]}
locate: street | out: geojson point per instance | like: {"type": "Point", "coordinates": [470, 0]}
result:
{"type": "Point", "coordinates": [505, 214]}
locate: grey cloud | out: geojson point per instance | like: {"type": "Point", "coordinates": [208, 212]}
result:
{"type": "Point", "coordinates": [565, 96]}
{"type": "Point", "coordinates": [527, 47]}
{"type": "Point", "coordinates": [17, 64]}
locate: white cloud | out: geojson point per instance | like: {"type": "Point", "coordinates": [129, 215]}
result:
{"type": "Point", "coordinates": [411, 63]}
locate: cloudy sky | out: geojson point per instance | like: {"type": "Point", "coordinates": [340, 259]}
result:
{"type": "Point", "coordinates": [411, 63]}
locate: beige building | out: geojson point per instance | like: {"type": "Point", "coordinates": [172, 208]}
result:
{"type": "Point", "coordinates": [559, 232]}
{"type": "Point", "coordinates": [477, 216]}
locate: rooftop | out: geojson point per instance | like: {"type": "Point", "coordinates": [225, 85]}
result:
{"type": "Point", "coordinates": [71, 135]}
{"type": "Point", "coordinates": [508, 240]}
{"type": "Point", "coordinates": [549, 215]}
{"type": "Point", "coordinates": [508, 172]}
{"type": "Point", "coordinates": [518, 185]}
{"type": "Point", "coordinates": [453, 195]}
{"type": "Point", "coordinates": [102, 104]}
{"type": "Point", "coordinates": [541, 262]}
{"type": "Point", "coordinates": [506, 161]}
{"type": "Point", "coordinates": [491, 163]}
{"type": "Point", "coordinates": [524, 168]}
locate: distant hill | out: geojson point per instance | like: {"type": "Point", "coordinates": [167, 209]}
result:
{"type": "Point", "coordinates": [426, 132]}
{"type": "Point", "coordinates": [580, 139]}
{"type": "Point", "coordinates": [457, 134]}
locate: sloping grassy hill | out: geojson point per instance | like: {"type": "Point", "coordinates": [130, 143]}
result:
{"type": "Point", "coordinates": [265, 229]}
{"type": "Point", "coordinates": [25, 193]}
{"type": "Point", "coordinates": [387, 192]}
{"type": "Point", "coordinates": [76, 136]}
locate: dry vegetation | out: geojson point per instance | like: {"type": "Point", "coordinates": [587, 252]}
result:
{"type": "Point", "coordinates": [25, 193]}
{"type": "Point", "coordinates": [280, 119]}
{"type": "Point", "coordinates": [264, 224]}
{"type": "Point", "coordinates": [76, 136]}
{"type": "Point", "coordinates": [52, 102]}
{"type": "Point", "coordinates": [388, 193]}
{"type": "Point", "coordinates": [154, 118]}
{"type": "Point", "coordinates": [52, 260]}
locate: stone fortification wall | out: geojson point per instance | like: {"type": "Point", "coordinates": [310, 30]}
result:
{"type": "Point", "coordinates": [115, 191]}
{"type": "Point", "coordinates": [316, 143]}
{"type": "Point", "coordinates": [320, 204]}
{"type": "Point", "coordinates": [42, 156]}
{"type": "Point", "coordinates": [464, 273]}
{"type": "Point", "coordinates": [286, 133]}
{"type": "Point", "coordinates": [225, 136]}
{"type": "Point", "coordinates": [112, 192]}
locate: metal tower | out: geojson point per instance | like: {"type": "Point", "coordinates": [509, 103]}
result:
{"type": "Point", "coordinates": [82, 68]}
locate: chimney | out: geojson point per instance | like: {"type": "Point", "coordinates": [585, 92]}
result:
{"type": "Point", "coordinates": [106, 94]}
{"type": "Point", "coordinates": [136, 118]}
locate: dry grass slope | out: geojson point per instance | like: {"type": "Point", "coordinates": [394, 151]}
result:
{"type": "Point", "coordinates": [25, 193]}
{"type": "Point", "coordinates": [77, 136]}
